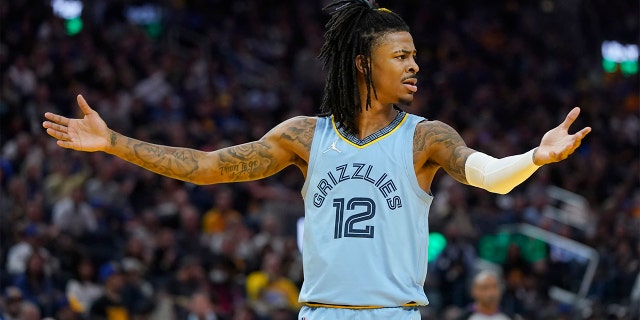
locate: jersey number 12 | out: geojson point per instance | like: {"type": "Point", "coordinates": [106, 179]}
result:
{"type": "Point", "coordinates": [348, 228]}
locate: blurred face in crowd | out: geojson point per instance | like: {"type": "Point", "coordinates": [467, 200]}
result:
{"type": "Point", "coordinates": [486, 291]}
{"type": "Point", "coordinates": [86, 270]}
{"type": "Point", "coordinates": [35, 265]}
{"type": "Point", "coordinates": [13, 301]}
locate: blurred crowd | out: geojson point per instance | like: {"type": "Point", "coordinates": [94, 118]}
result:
{"type": "Point", "coordinates": [89, 236]}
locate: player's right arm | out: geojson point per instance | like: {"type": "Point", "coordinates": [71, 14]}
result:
{"type": "Point", "coordinates": [286, 144]}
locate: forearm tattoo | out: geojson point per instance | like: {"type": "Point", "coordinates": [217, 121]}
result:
{"type": "Point", "coordinates": [113, 137]}
{"type": "Point", "coordinates": [174, 162]}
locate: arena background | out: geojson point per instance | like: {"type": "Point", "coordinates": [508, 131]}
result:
{"type": "Point", "coordinates": [206, 74]}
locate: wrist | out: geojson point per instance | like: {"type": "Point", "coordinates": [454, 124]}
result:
{"type": "Point", "coordinates": [534, 152]}
{"type": "Point", "coordinates": [112, 141]}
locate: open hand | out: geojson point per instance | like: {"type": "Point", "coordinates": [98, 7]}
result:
{"type": "Point", "coordinates": [557, 144]}
{"type": "Point", "coordinates": [87, 134]}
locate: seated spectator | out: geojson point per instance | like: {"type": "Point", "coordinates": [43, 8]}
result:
{"type": "Point", "coordinates": [215, 220]}
{"type": "Point", "coordinates": [138, 293]}
{"type": "Point", "coordinates": [74, 215]}
{"type": "Point", "coordinates": [12, 303]}
{"type": "Point", "coordinates": [186, 281]}
{"type": "Point", "coordinates": [201, 307]}
{"type": "Point", "coordinates": [38, 285]}
{"type": "Point", "coordinates": [29, 311]}
{"type": "Point", "coordinates": [30, 240]}
{"type": "Point", "coordinates": [84, 289]}
{"type": "Point", "coordinates": [110, 305]}
{"type": "Point", "coordinates": [268, 290]}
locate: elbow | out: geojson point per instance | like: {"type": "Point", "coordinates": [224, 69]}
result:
{"type": "Point", "coordinates": [203, 180]}
{"type": "Point", "coordinates": [499, 189]}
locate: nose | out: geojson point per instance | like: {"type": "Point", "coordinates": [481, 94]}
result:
{"type": "Point", "coordinates": [413, 66]}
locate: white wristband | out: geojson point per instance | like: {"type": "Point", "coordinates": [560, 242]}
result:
{"type": "Point", "coordinates": [499, 175]}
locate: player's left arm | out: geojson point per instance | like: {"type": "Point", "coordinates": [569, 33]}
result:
{"type": "Point", "coordinates": [468, 166]}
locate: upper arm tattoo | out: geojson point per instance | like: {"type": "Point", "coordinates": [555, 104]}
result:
{"type": "Point", "coordinates": [247, 161]}
{"type": "Point", "coordinates": [260, 159]}
{"type": "Point", "coordinates": [444, 146]}
{"type": "Point", "coordinates": [301, 133]}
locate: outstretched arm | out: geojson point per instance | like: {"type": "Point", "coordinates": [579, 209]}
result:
{"type": "Point", "coordinates": [502, 175]}
{"type": "Point", "coordinates": [282, 146]}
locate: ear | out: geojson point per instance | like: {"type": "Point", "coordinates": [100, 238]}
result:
{"type": "Point", "coordinates": [361, 62]}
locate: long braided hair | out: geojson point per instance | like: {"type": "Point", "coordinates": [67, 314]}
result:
{"type": "Point", "coordinates": [352, 30]}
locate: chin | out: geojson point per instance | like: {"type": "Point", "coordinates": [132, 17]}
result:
{"type": "Point", "coordinates": [405, 101]}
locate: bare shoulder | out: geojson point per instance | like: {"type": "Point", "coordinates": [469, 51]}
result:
{"type": "Point", "coordinates": [434, 134]}
{"type": "Point", "coordinates": [437, 144]}
{"type": "Point", "coordinates": [295, 134]}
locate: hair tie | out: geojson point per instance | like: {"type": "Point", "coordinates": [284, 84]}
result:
{"type": "Point", "coordinates": [368, 3]}
{"type": "Point", "coordinates": [341, 4]}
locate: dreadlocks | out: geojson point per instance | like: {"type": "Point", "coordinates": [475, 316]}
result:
{"type": "Point", "coordinates": [352, 30]}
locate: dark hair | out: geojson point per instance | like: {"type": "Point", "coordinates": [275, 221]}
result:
{"type": "Point", "coordinates": [352, 30]}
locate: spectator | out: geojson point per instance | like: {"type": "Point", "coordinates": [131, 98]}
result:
{"type": "Point", "coordinates": [268, 290]}
{"type": "Point", "coordinates": [11, 304]}
{"type": "Point", "coordinates": [187, 280]}
{"type": "Point", "coordinates": [30, 241]}
{"type": "Point", "coordinates": [83, 289]}
{"type": "Point", "coordinates": [38, 286]}
{"type": "Point", "coordinates": [74, 215]}
{"type": "Point", "coordinates": [215, 220]}
{"type": "Point", "coordinates": [137, 293]}
{"type": "Point", "coordinates": [29, 311]}
{"type": "Point", "coordinates": [201, 307]}
{"type": "Point", "coordinates": [486, 291]}
{"type": "Point", "coordinates": [110, 305]}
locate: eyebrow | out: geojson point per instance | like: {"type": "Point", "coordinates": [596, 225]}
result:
{"type": "Point", "coordinates": [405, 51]}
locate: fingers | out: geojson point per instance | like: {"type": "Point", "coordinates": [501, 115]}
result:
{"type": "Point", "coordinates": [56, 118]}
{"type": "Point", "coordinates": [58, 134]}
{"type": "Point", "coordinates": [582, 133]}
{"type": "Point", "coordinates": [571, 117]}
{"type": "Point", "coordinates": [65, 144]}
{"type": "Point", "coordinates": [55, 126]}
{"type": "Point", "coordinates": [84, 106]}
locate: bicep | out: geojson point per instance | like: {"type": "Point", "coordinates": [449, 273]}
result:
{"type": "Point", "coordinates": [282, 146]}
{"type": "Point", "coordinates": [445, 148]}
{"type": "Point", "coordinates": [249, 161]}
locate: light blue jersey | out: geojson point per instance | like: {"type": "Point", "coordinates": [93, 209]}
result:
{"type": "Point", "coordinates": [365, 229]}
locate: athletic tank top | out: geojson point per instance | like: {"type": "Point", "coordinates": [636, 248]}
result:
{"type": "Point", "coordinates": [365, 228]}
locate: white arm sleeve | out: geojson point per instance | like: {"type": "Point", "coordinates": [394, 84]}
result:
{"type": "Point", "coordinates": [499, 175]}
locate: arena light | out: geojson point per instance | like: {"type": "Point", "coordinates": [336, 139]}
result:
{"type": "Point", "coordinates": [71, 12]}
{"type": "Point", "coordinates": [149, 16]}
{"type": "Point", "coordinates": [621, 57]}
{"type": "Point", "coordinates": [437, 243]}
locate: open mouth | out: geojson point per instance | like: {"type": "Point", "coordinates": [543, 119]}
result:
{"type": "Point", "coordinates": [411, 84]}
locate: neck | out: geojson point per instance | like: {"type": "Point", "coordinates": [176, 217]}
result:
{"type": "Point", "coordinates": [486, 309]}
{"type": "Point", "coordinates": [374, 119]}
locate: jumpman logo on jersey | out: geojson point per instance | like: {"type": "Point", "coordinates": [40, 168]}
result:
{"type": "Point", "coordinates": [333, 147]}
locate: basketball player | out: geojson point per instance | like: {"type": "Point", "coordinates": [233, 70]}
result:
{"type": "Point", "coordinates": [368, 165]}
